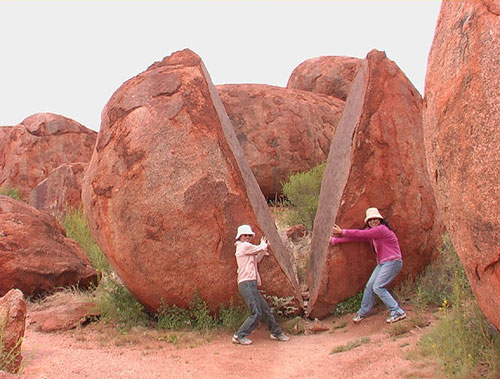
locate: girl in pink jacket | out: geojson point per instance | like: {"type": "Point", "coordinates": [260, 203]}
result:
{"type": "Point", "coordinates": [389, 262]}
{"type": "Point", "coordinates": [248, 256]}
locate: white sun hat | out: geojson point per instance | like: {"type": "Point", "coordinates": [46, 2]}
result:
{"type": "Point", "coordinates": [372, 213]}
{"type": "Point", "coordinates": [244, 229]}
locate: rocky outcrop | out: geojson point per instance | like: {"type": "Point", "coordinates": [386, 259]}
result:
{"type": "Point", "coordinates": [60, 191]}
{"type": "Point", "coordinates": [12, 326]}
{"type": "Point", "coordinates": [331, 75]}
{"type": "Point", "coordinates": [376, 159]}
{"type": "Point", "coordinates": [30, 151]}
{"type": "Point", "coordinates": [462, 138]}
{"type": "Point", "coordinates": [36, 257]}
{"type": "Point", "coordinates": [64, 316]}
{"type": "Point", "coordinates": [167, 187]}
{"type": "Point", "coordinates": [281, 131]}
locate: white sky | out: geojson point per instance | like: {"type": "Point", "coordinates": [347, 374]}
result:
{"type": "Point", "coordinates": [68, 57]}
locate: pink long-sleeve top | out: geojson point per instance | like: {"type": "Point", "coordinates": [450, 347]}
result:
{"type": "Point", "coordinates": [247, 257]}
{"type": "Point", "coordinates": [384, 241]}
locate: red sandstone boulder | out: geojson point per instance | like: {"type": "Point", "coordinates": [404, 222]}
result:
{"type": "Point", "coordinates": [326, 75]}
{"type": "Point", "coordinates": [167, 187]}
{"type": "Point", "coordinates": [376, 159]}
{"type": "Point", "coordinates": [63, 316]}
{"type": "Point", "coordinates": [36, 256]}
{"type": "Point", "coordinates": [60, 191]}
{"type": "Point", "coordinates": [281, 131]}
{"type": "Point", "coordinates": [462, 138]}
{"type": "Point", "coordinates": [31, 150]}
{"type": "Point", "coordinates": [12, 324]}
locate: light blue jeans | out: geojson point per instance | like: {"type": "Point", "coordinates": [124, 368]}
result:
{"type": "Point", "coordinates": [382, 275]}
{"type": "Point", "coordinates": [258, 308]}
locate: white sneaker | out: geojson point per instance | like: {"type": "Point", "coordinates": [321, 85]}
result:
{"type": "Point", "coordinates": [241, 340]}
{"type": "Point", "coordinates": [396, 317]}
{"type": "Point", "coordinates": [280, 337]}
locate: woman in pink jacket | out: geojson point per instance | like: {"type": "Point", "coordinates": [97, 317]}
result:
{"type": "Point", "coordinates": [389, 262]}
{"type": "Point", "coordinates": [248, 256]}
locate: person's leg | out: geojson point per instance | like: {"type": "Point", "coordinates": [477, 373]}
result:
{"type": "Point", "coordinates": [268, 317]}
{"type": "Point", "coordinates": [368, 294]}
{"type": "Point", "coordinates": [249, 292]}
{"type": "Point", "coordinates": [388, 271]}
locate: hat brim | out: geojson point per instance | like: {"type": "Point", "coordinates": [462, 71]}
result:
{"type": "Point", "coordinates": [374, 216]}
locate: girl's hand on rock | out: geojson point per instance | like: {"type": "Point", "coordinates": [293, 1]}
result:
{"type": "Point", "coordinates": [336, 230]}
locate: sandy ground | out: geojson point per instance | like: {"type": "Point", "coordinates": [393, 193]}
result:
{"type": "Point", "coordinates": [97, 351]}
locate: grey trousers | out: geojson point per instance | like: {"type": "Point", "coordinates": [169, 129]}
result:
{"type": "Point", "coordinates": [258, 308]}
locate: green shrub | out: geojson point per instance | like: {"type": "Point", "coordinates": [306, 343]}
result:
{"type": "Point", "coordinates": [350, 305]}
{"type": "Point", "coordinates": [196, 317]}
{"type": "Point", "coordinates": [302, 193]}
{"type": "Point", "coordinates": [117, 304]}
{"type": "Point", "coordinates": [76, 226]}
{"type": "Point", "coordinates": [435, 283]}
{"type": "Point", "coordinates": [281, 306]}
{"type": "Point", "coordinates": [233, 315]}
{"type": "Point", "coordinates": [462, 339]}
{"type": "Point", "coordinates": [173, 317]}
{"type": "Point", "coordinates": [11, 192]}
{"type": "Point", "coordinates": [200, 315]}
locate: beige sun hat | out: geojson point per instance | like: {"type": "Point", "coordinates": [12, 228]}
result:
{"type": "Point", "coordinates": [244, 229]}
{"type": "Point", "coordinates": [372, 213]}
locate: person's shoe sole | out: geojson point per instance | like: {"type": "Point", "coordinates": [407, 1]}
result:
{"type": "Point", "coordinates": [399, 318]}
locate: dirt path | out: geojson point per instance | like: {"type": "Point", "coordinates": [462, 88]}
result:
{"type": "Point", "coordinates": [96, 351]}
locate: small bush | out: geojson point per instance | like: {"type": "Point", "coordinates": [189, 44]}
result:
{"type": "Point", "coordinates": [281, 306]}
{"type": "Point", "coordinates": [196, 317]}
{"type": "Point", "coordinates": [11, 192]}
{"type": "Point", "coordinates": [350, 305]}
{"type": "Point", "coordinates": [117, 304]}
{"type": "Point", "coordinates": [200, 315]}
{"type": "Point", "coordinates": [76, 226]}
{"type": "Point", "coordinates": [233, 315]}
{"type": "Point", "coordinates": [173, 317]}
{"type": "Point", "coordinates": [302, 193]}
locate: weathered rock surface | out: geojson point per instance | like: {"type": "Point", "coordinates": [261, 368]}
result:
{"type": "Point", "coordinates": [60, 191]}
{"type": "Point", "coordinates": [462, 138]}
{"type": "Point", "coordinates": [36, 257]}
{"type": "Point", "coordinates": [281, 131]}
{"type": "Point", "coordinates": [63, 317]}
{"type": "Point", "coordinates": [12, 324]}
{"type": "Point", "coordinates": [167, 187]}
{"type": "Point", "coordinates": [31, 150]}
{"type": "Point", "coordinates": [331, 75]}
{"type": "Point", "coordinates": [376, 159]}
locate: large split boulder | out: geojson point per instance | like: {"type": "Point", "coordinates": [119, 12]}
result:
{"type": "Point", "coordinates": [12, 326]}
{"type": "Point", "coordinates": [30, 151]}
{"type": "Point", "coordinates": [281, 131]}
{"type": "Point", "coordinates": [462, 138]}
{"type": "Point", "coordinates": [329, 75]}
{"type": "Point", "coordinates": [376, 159]}
{"type": "Point", "coordinates": [36, 256]}
{"type": "Point", "coordinates": [61, 190]}
{"type": "Point", "coordinates": [167, 187]}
